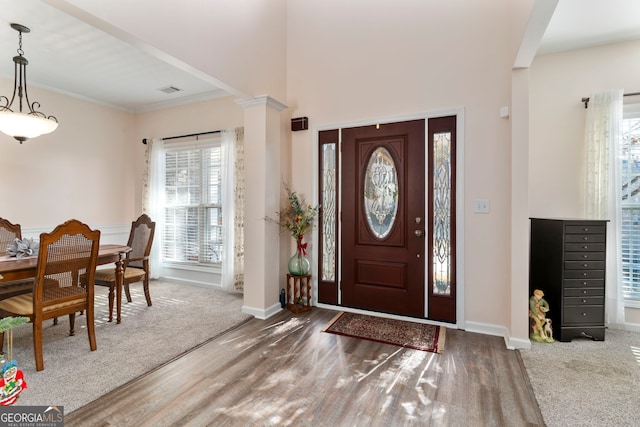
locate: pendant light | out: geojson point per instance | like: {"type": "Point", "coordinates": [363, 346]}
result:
{"type": "Point", "coordinates": [29, 123]}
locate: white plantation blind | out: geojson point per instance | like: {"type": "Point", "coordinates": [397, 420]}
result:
{"type": "Point", "coordinates": [193, 210]}
{"type": "Point", "coordinates": [630, 224]}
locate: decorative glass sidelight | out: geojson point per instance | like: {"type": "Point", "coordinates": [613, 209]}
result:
{"type": "Point", "coordinates": [381, 192]}
{"type": "Point", "coordinates": [442, 213]}
{"type": "Point", "coordinates": [328, 202]}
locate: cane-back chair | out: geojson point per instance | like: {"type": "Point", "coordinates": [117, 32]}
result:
{"type": "Point", "coordinates": [136, 265]}
{"type": "Point", "coordinates": [9, 232]}
{"type": "Point", "coordinates": [63, 285]}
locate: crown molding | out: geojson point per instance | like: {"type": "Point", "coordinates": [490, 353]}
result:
{"type": "Point", "coordinates": [262, 100]}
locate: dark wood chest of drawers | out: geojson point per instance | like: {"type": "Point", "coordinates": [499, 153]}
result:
{"type": "Point", "coordinates": [567, 262]}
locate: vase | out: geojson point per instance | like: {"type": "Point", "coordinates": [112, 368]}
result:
{"type": "Point", "coordinates": [299, 265]}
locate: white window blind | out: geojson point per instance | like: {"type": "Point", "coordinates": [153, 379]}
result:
{"type": "Point", "coordinates": [630, 224]}
{"type": "Point", "coordinates": [193, 210]}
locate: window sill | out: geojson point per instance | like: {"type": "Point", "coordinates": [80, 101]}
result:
{"type": "Point", "coordinates": [192, 267]}
{"type": "Point", "coordinates": [632, 303]}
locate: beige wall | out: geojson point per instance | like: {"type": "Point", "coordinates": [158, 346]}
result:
{"type": "Point", "coordinates": [362, 61]}
{"type": "Point", "coordinates": [82, 170]}
{"type": "Point", "coordinates": [556, 158]}
{"type": "Point", "coordinates": [216, 114]}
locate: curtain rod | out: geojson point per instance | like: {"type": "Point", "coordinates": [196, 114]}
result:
{"type": "Point", "coordinates": [144, 141]}
{"type": "Point", "coordinates": [586, 100]}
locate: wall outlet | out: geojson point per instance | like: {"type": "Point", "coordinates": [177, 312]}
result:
{"type": "Point", "coordinates": [481, 206]}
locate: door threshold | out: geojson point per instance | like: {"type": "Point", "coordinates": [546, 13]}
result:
{"type": "Point", "coordinates": [423, 320]}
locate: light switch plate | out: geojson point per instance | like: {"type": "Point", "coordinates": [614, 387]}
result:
{"type": "Point", "coordinates": [481, 206]}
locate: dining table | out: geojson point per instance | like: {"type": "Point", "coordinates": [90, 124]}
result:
{"type": "Point", "coordinates": [12, 268]}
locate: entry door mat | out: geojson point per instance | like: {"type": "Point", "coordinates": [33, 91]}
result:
{"type": "Point", "coordinates": [402, 333]}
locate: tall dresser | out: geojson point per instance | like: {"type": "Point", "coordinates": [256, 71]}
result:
{"type": "Point", "coordinates": [567, 262]}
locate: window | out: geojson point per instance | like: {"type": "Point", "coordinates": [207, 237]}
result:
{"type": "Point", "coordinates": [192, 233]}
{"type": "Point", "coordinates": [630, 205]}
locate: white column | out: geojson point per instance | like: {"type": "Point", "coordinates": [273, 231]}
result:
{"type": "Point", "coordinates": [263, 139]}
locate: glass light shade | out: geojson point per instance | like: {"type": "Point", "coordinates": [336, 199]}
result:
{"type": "Point", "coordinates": [21, 125]}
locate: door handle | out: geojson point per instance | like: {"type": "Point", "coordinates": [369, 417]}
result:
{"type": "Point", "coordinates": [418, 233]}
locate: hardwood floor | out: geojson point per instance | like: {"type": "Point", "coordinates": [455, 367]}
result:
{"type": "Point", "coordinates": [285, 371]}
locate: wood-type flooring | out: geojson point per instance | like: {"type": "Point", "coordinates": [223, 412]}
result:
{"type": "Point", "coordinates": [284, 371]}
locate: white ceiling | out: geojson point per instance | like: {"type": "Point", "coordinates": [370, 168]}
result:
{"type": "Point", "coordinates": [69, 56]}
{"type": "Point", "coordinates": [583, 23]}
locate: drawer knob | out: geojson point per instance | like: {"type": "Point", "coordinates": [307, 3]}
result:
{"type": "Point", "coordinates": [585, 256]}
{"type": "Point", "coordinates": [584, 274]}
{"type": "Point", "coordinates": [584, 314]}
{"type": "Point", "coordinates": [585, 247]}
{"type": "Point", "coordinates": [584, 292]}
{"type": "Point", "coordinates": [586, 229]}
{"type": "Point", "coordinates": [584, 283]}
{"type": "Point", "coordinates": [584, 300]}
{"type": "Point", "coordinates": [585, 265]}
{"type": "Point", "coordinates": [585, 238]}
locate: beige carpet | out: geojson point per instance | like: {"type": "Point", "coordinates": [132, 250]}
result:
{"type": "Point", "coordinates": [181, 318]}
{"type": "Point", "coordinates": [587, 383]}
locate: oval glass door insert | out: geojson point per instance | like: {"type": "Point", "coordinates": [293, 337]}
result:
{"type": "Point", "coordinates": [381, 192]}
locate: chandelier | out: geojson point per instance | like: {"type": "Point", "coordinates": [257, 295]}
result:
{"type": "Point", "coordinates": [29, 123]}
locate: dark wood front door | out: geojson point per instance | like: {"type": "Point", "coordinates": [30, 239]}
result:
{"type": "Point", "coordinates": [383, 218]}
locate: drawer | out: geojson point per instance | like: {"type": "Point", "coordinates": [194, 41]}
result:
{"type": "Point", "coordinates": [584, 256]}
{"type": "Point", "coordinates": [583, 292]}
{"type": "Point", "coordinates": [584, 238]}
{"type": "Point", "coordinates": [578, 301]}
{"type": "Point", "coordinates": [585, 229]}
{"type": "Point", "coordinates": [567, 333]}
{"type": "Point", "coordinates": [583, 274]}
{"type": "Point", "coordinates": [588, 246]}
{"type": "Point", "coordinates": [588, 314]}
{"type": "Point", "coordinates": [584, 265]}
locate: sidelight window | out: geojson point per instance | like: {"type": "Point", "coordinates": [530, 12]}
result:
{"type": "Point", "coordinates": [441, 207]}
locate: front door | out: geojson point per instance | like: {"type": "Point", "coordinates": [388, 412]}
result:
{"type": "Point", "coordinates": [383, 218]}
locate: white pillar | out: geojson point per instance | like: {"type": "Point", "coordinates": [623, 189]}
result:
{"type": "Point", "coordinates": [263, 139]}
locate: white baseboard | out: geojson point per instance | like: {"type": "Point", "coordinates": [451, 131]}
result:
{"type": "Point", "coordinates": [511, 343]}
{"type": "Point", "coordinates": [262, 313]}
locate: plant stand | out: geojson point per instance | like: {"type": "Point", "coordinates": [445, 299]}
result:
{"type": "Point", "coordinates": [299, 293]}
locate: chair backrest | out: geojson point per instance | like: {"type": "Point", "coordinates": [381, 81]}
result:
{"type": "Point", "coordinates": [8, 234]}
{"type": "Point", "coordinates": [66, 264]}
{"type": "Point", "coordinates": [140, 240]}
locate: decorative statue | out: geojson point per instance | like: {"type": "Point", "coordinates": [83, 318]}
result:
{"type": "Point", "coordinates": [11, 384]}
{"type": "Point", "coordinates": [540, 326]}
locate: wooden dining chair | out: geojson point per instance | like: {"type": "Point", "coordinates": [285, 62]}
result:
{"type": "Point", "coordinates": [9, 232]}
{"type": "Point", "coordinates": [136, 264]}
{"type": "Point", "coordinates": [63, 285]}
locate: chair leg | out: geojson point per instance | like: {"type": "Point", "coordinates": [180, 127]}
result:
{"type": "Point", "coordinates": [91, 330]}
{"type": "Point", "coordinates": [1, 342]}
{"type": "Point", "coordinates": [147, 295]}
{"type": "Point", "coordinates": [72, 324]}
{"type": "Point", "coordinates": [111, 297]}
{"type": "Point", "coordinates": [37, 344]}
{"type": "Point", "coordinates": [126, 291]}
{"type": "Point", "coordinates": [55, 320]}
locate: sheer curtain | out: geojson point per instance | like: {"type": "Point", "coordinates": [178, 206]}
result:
{"type": "Point", "coordinates": [602, 188]}
{"type": "Point", "coordinates": [153, 199]}
{"type": "Point", "coordinates": [233, 208]}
